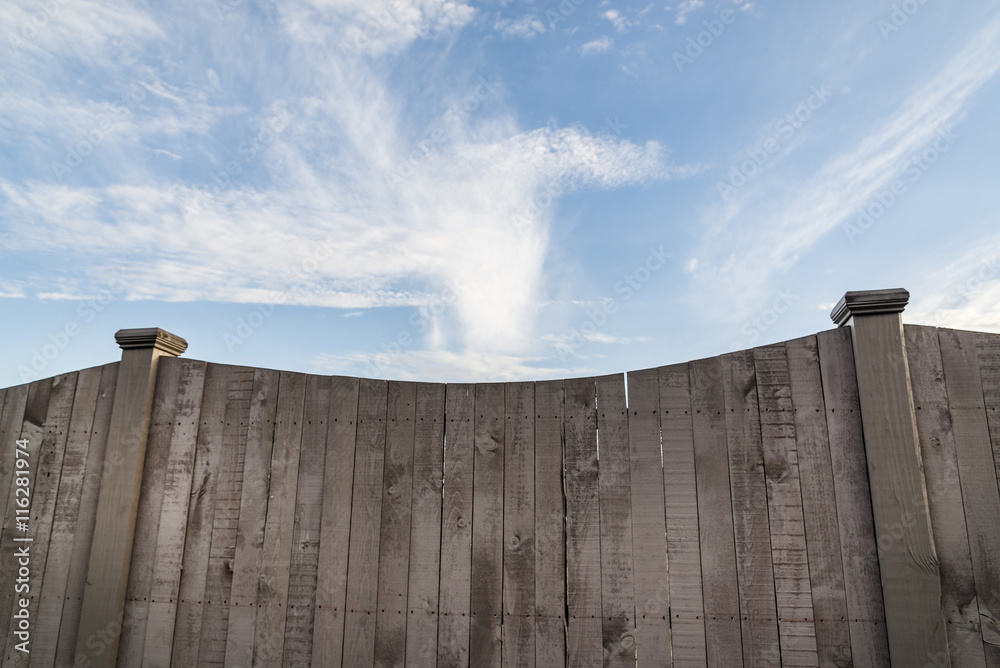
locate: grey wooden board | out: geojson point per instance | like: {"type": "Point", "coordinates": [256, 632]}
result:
{"type": "Point", "coordinates": [225, 520]}
{"type": "Point", "coordinates": [394, 541]}
{"type": "Point", "coordinates": [790, 562]}
{"type": "Point", "coordinates": [147, 521]}
{"type": "Point", "coordinates": [486, 605]}
{"type": "Point", "coordinates": [911, 584]}
{"type": "Point", "coordinates": [64, 515]}
{"type": "Point", "coordinates": [649, 540]}
{"type": "Point", "coordinates": [550, 546]}
{"type": "Point", "coordinates": [618, 634]}
{"type": "Point", "coordinates": [826, 564]}
{"type": "Point", "coordinates": [279, 527]}
{"type": "Point", "coordinates": [260, 437]}
{"type": "Point", "coordinates": [41, 504]}
{"type": "Point", "coordinates": [988, 348]}
{"type": "Point", "coordinates": [680, 499]}
{"type": "Point", "coordinates": [977, 473]}
{"type": "Point", "coordinates": [869, 644]}
{"type": "Point", "coordinates": [86, 517]}
{"type": "Point", "coordinates": [366, 515]}
{"type": "Point", "coordinates": [519, 526]}
{"type": "Point", "coordinates": [170, 543]}
{"type": "Point", "coordinates": [456, 526]}
{"type": "Point", "coordinates": [750, 516]}
{"type": "Point", "coordinates": [583, 528]}
{"type": "Point", "coordinates": [185, 643]}
{"type": "Point", "coordinates": [335, 526]}
{"type": "Point", "coordinates": [425, 526]}
{"type": "Point", "coordinates": [944, 496]}
{"type": "Point", "coordinates": [723, 633]}
{"type": "Point", "coordinates": [300, 616]}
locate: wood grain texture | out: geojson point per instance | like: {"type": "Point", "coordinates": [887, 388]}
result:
{"type": "Point", "coordinates": [456, 526]}
{"type": "Point", "coordinates": [86, 516]}
{"type": "Point", "coordinates": [583, 525]}
{"type": "Point", "coordinates": [147, 526]}
{"type": "Point", "coordinates": [425, 526]}
{"type": "Point", "coordinates": [977, 474]}
{"type": "Point", "coordinates": [225, 519]}
{"type": "Point", "coordinates": [252, 517]}
{"type": "Point", "coordinates": [826, 564]}
{"type": "Point", "coordinates": [519, 526]}
{"type": "Point", "coordinates": [394, 541]}
{"type": "Point", "coordinates": [302, 576]}
{"type": "Point", "coordinates": [335, 527]}
{"type": "Point", "coordinates": [174, 517]}
{"type": "Point", "coordinates": [790, 560]}
{"type": "Point", "coordinates": [944, 496]}
{"type": "Point", "coordinates": [649, 540]}
{"type": "Point", "coordinates": [680, 500]}
{"type": "Point", "coordinates": [614, 475]}
{"type": "Point", "coordinates": [185, 635]}
{"type": "Point", "coordinates": [988, 349]}
{"type": "Point", "coordinates": [862, 578]}
{"type": "Point", "coordinates": [366, 518]}
{"type": "Point", "coordinates": [64, 514]}
{"type": "Point", "coordinates": [723, 634]}
{"type": "Point", "coordinates": [487, 527]}
{"type": "Point", "coordinates": [41, 505]}
{"type": "Point", "coordinates": [550, 542]}
{"type": "Point", "coordinates": [279, 527]}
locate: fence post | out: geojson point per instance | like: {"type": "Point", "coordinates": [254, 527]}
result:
{"type": "Point", "coordinates": [111, 550]}
{"type": "Point", "coordinates": [911, 584]}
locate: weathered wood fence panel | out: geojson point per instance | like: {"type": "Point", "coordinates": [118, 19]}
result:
{"type": "Point", "coordinates": [721, 516]}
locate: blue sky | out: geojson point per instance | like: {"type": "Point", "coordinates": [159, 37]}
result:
{"type": "Point", "coordinates": [449, 190]}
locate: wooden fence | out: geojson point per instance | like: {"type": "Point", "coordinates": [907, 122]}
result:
{"type": "Point", "coordinates": [734, 511]}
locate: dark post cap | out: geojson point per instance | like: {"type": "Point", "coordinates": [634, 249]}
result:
{"type": "Point", "coordinates": [869, 302]}
{"type": "Point", "coordinates": [151, 337]}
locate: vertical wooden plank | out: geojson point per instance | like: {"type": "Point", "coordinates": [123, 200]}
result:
{"type": "Point", "coordinates": [680, 501]}
{"type": "Point", "coordinates": [826, 565]}
{"type": "Point", "coordinates": [614, 484]}
{"type": "Point", "coordinates": [366, 517]}
{"type": "Point", "coordinates": [301, 608]}
{"type": "Point", "coordinates": [792, 590]}
{"type": "Point", "coordinates": [335, 527]}
{"type": "Point", "coordinates": [456, 526]}
{"type": "Point", "coordinates": [862, 578]}
{"type": "Point", "coordinates": [64, 513]}
{"type": "Point", "coordinates": [225, 522]}
{"type": "Point", "coordinates": [519, 526]}
{"type": "Point", "coordinates": [425, 526]}
{"type": "Point", "coordinates": [276, 552]}
{"type": "Point", "coordinates": [487, 527]}
{"type": "Point", "coordinates": [649, 538]}
{"type": "Point", "coordinates": [268, 392]}
{"type": "Point", "coordinates": [988, 350]}
{"type": "Point", "coordinates": [41, 504]}
{"type": "Point", "coordinates": [550, 542]}
{"type": "Point", "coordinates": [394, 540]}
{"type": "Point", "coordinates": [147, 521]}
{"type": "Point", "coordinates": [944, 496]}
{"type": "Point", "coordinates": [750, 517]}
{"type": "Point", "coordinates": [724, 643]}
{"type": "Point", "coordinates": [583, 525]}
{"type": "Point", "coordinates": [977, 475]}
{"type": "Point", "coordinates": [182, 642]}
{"type": "Point", "coordinates": [10, 431]}
{"type": "Point", "coordinates": [173, 520]}
{"type": "Point", "coordinates": [81, 524]}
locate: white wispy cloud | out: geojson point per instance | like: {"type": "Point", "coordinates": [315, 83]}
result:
{"type": "Point", "coordinates": [687, 7]}
{"type": "Point", "coordinates": [620, 21]}
{"type": "Point", "coordinates": [599, 45]}
{"type": "Point", "coordinates": [964, 293]}
{"type": "Point", "coordinates": [524, 27]}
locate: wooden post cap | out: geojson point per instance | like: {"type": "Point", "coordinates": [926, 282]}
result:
{"type": "Point", "coordinates": [151, 337]}
{"type": "Point", "coordinates": [869, 302]}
